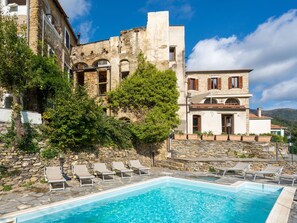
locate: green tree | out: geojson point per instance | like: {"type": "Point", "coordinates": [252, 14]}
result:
{"type": "Point", "coordinates": [15, 66]}
{"type": "Point", "coordinates": [151, 95]}
{"type": "Point", "coordinates": [73, 122]}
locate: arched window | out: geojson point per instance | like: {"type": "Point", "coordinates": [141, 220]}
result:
{"type": "Point", "coordinates": [80, 66]}
{"type": "Point", "coordinates": [232, 101]}
{"type": "Point", "coordinates": [101, 63]}
{"type": "Point", "coordinates": [124, 69]}
{"type": "Point", "coordinates": [210, 101]}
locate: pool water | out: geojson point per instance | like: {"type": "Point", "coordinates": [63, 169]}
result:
{"type": "Point", "coordinates": [173, 202]}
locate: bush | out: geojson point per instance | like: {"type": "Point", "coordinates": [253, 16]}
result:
{"type": "Point", "coordinates": [73, 122]}
{"type": "Point", "coordinates": [49, 153]}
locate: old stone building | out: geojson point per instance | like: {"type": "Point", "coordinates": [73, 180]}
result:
{"type": "Point", "coordinates": [48, 31]}
{"type": "Point", "coordinates": [101, 66]}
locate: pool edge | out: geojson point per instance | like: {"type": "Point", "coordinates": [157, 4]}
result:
{"type": "Point", "coordinates": [280, 212]}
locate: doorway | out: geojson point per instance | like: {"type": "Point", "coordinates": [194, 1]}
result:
{"type": "Point", "coordinates": [227, 124]}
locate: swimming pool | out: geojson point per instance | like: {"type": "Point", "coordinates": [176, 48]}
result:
{"type": "Point", "coordinates": [165, 200]}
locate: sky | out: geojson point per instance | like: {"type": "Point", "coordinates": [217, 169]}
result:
{"type": "Point", "coordinates": [220, 35]}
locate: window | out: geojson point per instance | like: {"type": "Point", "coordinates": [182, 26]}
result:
{"type": "Point", "coordinates": [235, 82]}
{"type": "Point", "coordinates": [101, 63]}
{"type": "Point", "coordinates": [193, 84]}
{"type": "Point", "coordinates": [125, 74]}
{"type": "Point", "coordinates": [80, 78]}
{"type": "Point", "coordinates": [19, 2]}
{"type": "Point", "coordinates": [196, 123]}
{"type": "Point", "coordinates": [50, 51]}
{"type": "Point", "coordinates": [172, 53]}
{"type": "Point", "coordinates": [214, 83]}
{"type": "Point", "coordinates": [67, 39]}
{"type": "Point", "coordinates": [102, 82]}
{"type": "Point", "coordinates": [232, 101]}
{"type": "Point", "coordinates": [210, 101]}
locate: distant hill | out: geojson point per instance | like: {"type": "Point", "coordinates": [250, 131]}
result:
{"type": "Point", "coordinates": [282, 116]}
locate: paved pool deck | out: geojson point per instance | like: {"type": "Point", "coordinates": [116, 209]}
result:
{"type": "Point", "coordinates": [39, 194]}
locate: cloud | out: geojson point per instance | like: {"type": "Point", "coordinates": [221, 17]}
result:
{"type": "Point", "coordinates": [270, 50]}
{"type": "Point", "coordinates": [87, 31]}
{"type": "Point", "coordinates": [76, 8]}
{"type": "Point", "coordinates": [181, 9]}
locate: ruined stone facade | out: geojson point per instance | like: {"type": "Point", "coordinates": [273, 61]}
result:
{"type": "Point", "coordinates": [102, 65]}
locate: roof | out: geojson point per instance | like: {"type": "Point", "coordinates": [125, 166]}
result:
{"type": "Point", "coordinates": [217, 107]}
{"type": "Point", "coordinates": [218, 71]}
{"type": "Point", "coordinates": [59, 6]}
{"type": "Point", "coordinates": [253, 116]}
{"type": "Point", "coordinates": [278, 127]}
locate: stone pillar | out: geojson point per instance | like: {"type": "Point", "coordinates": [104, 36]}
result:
{"type": "Point", "coordinates": [35, 30]}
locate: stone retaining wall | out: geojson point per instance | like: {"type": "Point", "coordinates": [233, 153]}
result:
{"type": "Point", "coordinates": [226, 149]}
{"type": "Point", "coordinates": [25, 168]}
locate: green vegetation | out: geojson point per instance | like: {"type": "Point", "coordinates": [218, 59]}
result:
{"type": "Point", "coordinates": [6, 187]}
{"type": "Point", "coordinates": [151, 96]}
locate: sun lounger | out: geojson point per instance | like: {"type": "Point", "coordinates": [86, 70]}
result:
{"type": "Point", "coordinates": [239, 167]}
{"type": "Point", "coordinates": [136, 165]}
{"type": "Point", "coordinates": [54, 177]}
{"type": "Point", "coordinates": [82, 173]}
{"type": "Point", "coordinates": [100, 169]}
{"type": "Point", "coordinates": [120, 168]}
{"type": "Point", "coordinates": [269, 170]}
{"type": "Point", "coordinates": [288, 177]}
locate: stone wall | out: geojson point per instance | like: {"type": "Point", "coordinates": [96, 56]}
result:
{"type": "Point", "coordinates": [205, 156]}
{"type": "Point", "coordinates": [25, 168]}
{"type": "Point", "coordinates": [225, 149]}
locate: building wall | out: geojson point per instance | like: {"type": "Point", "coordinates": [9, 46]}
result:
{"type": "Point", "coordinates": [260, 126]}
{"type": "Point", "coordinates": [153, 41]}
{"type": "Point", "coordinates": [212, 121]}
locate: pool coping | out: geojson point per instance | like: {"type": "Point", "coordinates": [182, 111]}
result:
{"type": "Point", "coordinates": [279, 213]}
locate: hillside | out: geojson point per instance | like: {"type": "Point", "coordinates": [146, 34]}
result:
{"type": "Point", "coordinates": [281, 116]}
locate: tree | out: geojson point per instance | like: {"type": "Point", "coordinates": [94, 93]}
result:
{"type": "Point", "coordinates": [73, 122]}
{"type": "Point", "coordinates": [151, 95]}
{"type": "Point", "coordinates": [15, 66]}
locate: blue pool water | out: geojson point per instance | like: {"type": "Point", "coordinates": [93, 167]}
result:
{"type": "Point", "coordinates": [172, 201]}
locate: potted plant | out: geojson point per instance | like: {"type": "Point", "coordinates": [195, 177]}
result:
{"type": "Point", "coordinates": [235, 137]}
{"type": "Point", "coordinates": [263, 138]}
{"type": "Point", "coordinates": [207, 135]}
{"type": "Point", "coordinates": [222, 137]}
{"type": "Point", "coordinates": [248, 138]}
{"type": "Point", "coordinates": [179, 135]}
{"type": "Point", "coordinates": [194, 136]}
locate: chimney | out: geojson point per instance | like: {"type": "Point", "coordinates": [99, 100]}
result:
{"type": "Point", "coordinates": [259, 112]}
{"type": "Point", "coordinates": [78, 38]}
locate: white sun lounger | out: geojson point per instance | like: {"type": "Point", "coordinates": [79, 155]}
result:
{"type": "Point", "coordinates": [100, 169]}
{"type": "Point", "coordinates": [288, 177]}
{"type": "Point", "coordinates": [53, 175]}
{"type": "Point", "coordinates": [136, 165]}
{"type": "Point", "coordinates": [269, 170]}
{"type": "Point", "coordinates": [82, 173]}
{"type": "Point", "coordinates": [239, 167]}
{"type": "Point", "coordinates": [119, 167]}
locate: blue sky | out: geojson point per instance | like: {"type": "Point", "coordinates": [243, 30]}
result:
{"type": "Point", "coordinates": [230, 34]}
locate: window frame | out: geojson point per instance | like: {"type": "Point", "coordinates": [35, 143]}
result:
{"type": "Point", "coordinates": [67, 44]}
{"type": "Point", "coordinates": [172, 54]}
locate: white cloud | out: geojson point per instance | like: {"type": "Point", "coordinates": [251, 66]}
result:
{"type": "Point", "coordinates": [180, 9]}
{"type": "Point", "coordinates": [270, 50]}
{"type": "Point", "coordinates": [86, 30]}
{"type": "Point", "coordinates": [76, 8]}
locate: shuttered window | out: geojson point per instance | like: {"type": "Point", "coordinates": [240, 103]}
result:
{"type": "Point", "coordinates": [193, 84]}
{"type": "Point", "coordinates": [214, 83]}
{"type": "Point", "coordinates": [235, 82]}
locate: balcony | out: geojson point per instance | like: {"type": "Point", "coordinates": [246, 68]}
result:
{"type": "Point", "coordinates": [217, 107]}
